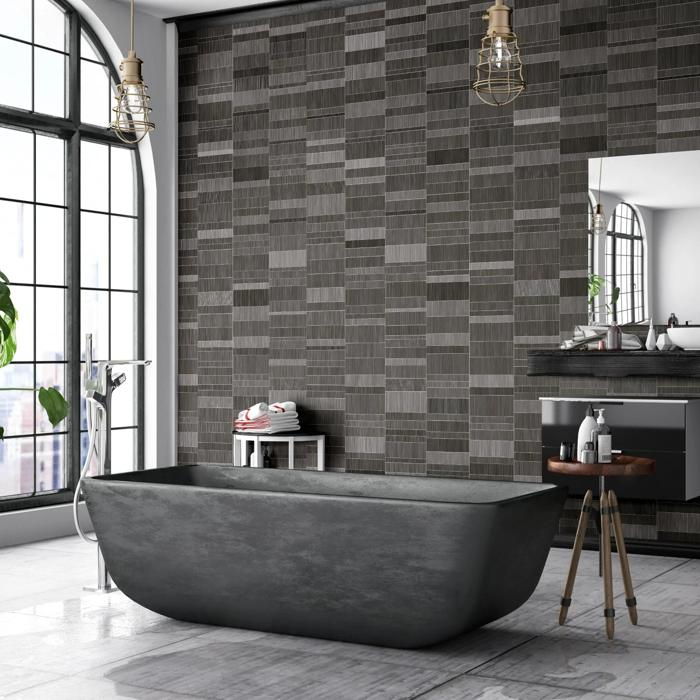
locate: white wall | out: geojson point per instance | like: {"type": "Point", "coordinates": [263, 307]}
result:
{"type": "Point", "coordinates": [676, 252]}
{"type": "Point", "coordinates": [156, 44]}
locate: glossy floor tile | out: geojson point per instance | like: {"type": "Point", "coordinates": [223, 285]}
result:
{"type": "Point", "coordinates": [57, 641]}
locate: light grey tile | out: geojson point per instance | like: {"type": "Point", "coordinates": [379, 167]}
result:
{"type": "Point", "coordinates": [669, 597]}
{"type": "Point", "coordinates": [246, 670]}
{"type": "Point", "coordinates": [656, 630]}
{"type": "Point", "coordinates": [88, 689]}
{"type": "Point", "coordinates": [476, 688]}
{"type": "Point", "coordinates": [14, 679]}
{"type": "Point", "coordinates": [60, 646]}
{"type": "Point", "coordinates": [687, 574]}
{"type": "Point", "coordinates": [600, 666]}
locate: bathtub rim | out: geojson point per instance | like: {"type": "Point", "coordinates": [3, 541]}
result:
{"type": "Point", "coordinates": [131, 478]}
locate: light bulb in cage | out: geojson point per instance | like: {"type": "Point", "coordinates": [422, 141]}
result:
{"type": "Point", "coordinates": [600, 222]}
{"type": "Point", "coordinates": [132, 111]}
{"type": "Point", "coordinates": [499, 72]}
{"type": "Point", "coordinates": [132, 120]}
{"type": "Point", "coordinates": [500, 57]}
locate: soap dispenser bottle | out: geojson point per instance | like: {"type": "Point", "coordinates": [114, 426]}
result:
{"type": "Point", "coordinates": [603, 439]}
{"type": "Point", "coordinates": [588, 425]}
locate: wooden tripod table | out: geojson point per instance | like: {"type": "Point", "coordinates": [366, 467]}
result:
{"type": "Point", "coordinates": [609, 515]}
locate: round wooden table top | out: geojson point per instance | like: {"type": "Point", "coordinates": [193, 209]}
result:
{"type": "Point", "coordinates": [622, 465]}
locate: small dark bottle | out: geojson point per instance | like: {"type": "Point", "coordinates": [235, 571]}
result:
{"type": "Point", "coordinates": [672, 321]}
{"type": "Point", "coordinates": [565, 452]}
{"type": "Point", "coordinates": [267, 458]}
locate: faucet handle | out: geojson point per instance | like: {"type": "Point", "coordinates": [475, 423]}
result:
{"type": "Point", "coordinates": [118, 380]}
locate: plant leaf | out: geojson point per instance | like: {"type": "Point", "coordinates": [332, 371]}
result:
{"type": "Point", "coordinates": [8, 320]}
{"type": "Point", "coordinates": [615, 295]}
{"type": "Point", "coordinates": [54, 404]}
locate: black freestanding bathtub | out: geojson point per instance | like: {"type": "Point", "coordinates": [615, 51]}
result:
{"type": "Point", "coordinates": [387, 560]}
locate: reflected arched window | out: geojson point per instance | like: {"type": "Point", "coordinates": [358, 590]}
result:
{"type": "Point", "coordinates": [624, 263]}
{"type": "Point", "coordinates": [71, 215]}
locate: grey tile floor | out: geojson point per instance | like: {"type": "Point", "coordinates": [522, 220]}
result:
{"type": "Point", "coordinates": [58, 642]}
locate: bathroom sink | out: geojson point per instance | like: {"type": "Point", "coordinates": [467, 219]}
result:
{"type": "Point", "coordinates": [686, 337]}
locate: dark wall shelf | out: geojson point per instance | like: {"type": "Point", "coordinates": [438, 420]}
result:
{"type": "Point", "coordinates": [607, 363]}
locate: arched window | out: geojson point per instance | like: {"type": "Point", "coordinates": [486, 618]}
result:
{"type": "Point", "coordinates": [624, 263]}
{"type": "Point", "coordinates": [71, 231]}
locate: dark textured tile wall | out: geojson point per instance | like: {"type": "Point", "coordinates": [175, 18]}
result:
{"type": "Point", "coordinates": [360, 234]}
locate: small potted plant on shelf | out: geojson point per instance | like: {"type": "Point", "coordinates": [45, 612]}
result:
{"type": "Point", "coordinates": [50, 398]}
{"type": "Point", "coordinates": [596, 284]}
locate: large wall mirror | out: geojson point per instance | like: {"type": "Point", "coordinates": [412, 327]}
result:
{"type": "Point", "coordinates": [644, 262]}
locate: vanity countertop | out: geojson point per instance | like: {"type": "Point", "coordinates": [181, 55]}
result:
{"type": "Point", "coordinates": [613, 363]}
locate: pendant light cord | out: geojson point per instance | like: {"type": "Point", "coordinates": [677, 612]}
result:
{"type": "Point", "coordinates": [132, 25]}
{"type": "Point", "coordinates": [600, 178]}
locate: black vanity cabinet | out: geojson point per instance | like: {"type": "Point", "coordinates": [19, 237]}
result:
{"type": "Point", "coordinates": [666, 430]}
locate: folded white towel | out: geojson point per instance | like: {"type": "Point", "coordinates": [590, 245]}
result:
{"type": "Point", "coordinates": [272, 417]}
{"type": "Point", "coordinates": [260, 409]}
{"type": "Point", "coordinates": [283, 407]}
{"type": "Point", "coordinates": [268, 431]}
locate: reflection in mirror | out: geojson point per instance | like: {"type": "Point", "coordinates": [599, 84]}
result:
{"type": "Point", "coordinates": [645, 264]}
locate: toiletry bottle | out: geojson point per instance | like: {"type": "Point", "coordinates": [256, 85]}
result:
{"type": "Point", "coordinates": [651, 336]}
{"type": "Point", "coordinates": [613, 338]}
{"type": "Point", "coordinates": [267, 458]}
{"type": "Point", "coordinates": [672, 321]}
{"type": "Point", "coordinates": [584, 432]}
{"type": "Point", "coordinates": [588, 453]}
{"type": "Point", "coordinates": [604, 439]}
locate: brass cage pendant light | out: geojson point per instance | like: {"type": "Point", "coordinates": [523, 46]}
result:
{"type": "Point", "coordinates": [499, 72]}
{"type": "Point", "coordinates": [132, 120]}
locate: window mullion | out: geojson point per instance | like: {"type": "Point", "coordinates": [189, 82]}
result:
{"type": "Point", "coordinates": [73, 255]}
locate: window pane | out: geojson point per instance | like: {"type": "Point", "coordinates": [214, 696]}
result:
{"type": "Point", "coordinates": [23, 298]}
{"type": "Point", "coordinates": [94, 178]}
{"type": "Point", "coordinates": [17, 147]}
{"type": "Point", "coordinates": [49, 25]}
{"type": "Point", "coordinates": [124, 400]}
{"type": "Point", "coordinates": [124, 331]}
{"type": "Point", "coordinates": [17, 241]}
{"type": "Point", "coordinates": [94, 250]}
{"type": "Point", "coordinates": [87, 50]}
{"type": "Point", "coordinates": [50, 70]}
{"type": "Point", "coordinates": [50, 170]}
{"type": "Point", "coordinates": [16, 84]}
{"type": "Point", "coordinates": [94, 318]}
{"type": "Point", "coordinates": [17, 19]}
{"type": "Point", "coordinates": [95, 94]}
{"type": "Point", "coordinates": [50, 463]}
{"type": "Point", "coordinates": [50, 246]}
{"type": "Point", "coordinates": [48, 376]}
{"type": "Point", "coordinates": [123, 253]}
{"type": "Point", "coordinates": [123, 185]}
{"type": "Point", "coordinates": [50, 320]}
{"type": "Point", "coordinates": [16, 466]}
{"type": "Point", "coordinates": [16, 407]}
{"type": "Point", "coordinates": [123, 451]}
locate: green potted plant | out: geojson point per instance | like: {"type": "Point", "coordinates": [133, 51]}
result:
{"type": "Point", "coordinates": [596, 284]}
{"type": "Point", "coordinates": [50, 398]}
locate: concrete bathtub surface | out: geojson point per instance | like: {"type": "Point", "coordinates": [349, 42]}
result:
{"type": "Point", "coordinates": [385, 560]}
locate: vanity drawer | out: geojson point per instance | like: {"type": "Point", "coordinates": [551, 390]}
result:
{"type": "Point", "coordinates": [666, 430]}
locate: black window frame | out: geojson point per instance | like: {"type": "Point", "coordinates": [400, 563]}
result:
{"type": "Point", "coordinates": [612, 238]}
{"type": "Point", "coordinates": [73, 131]}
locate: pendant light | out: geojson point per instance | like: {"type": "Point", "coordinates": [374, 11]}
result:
{"type": "Point", "coordinates": [132, 119]}
{"type": "Point", "coordinates": [600, 221]}
{"type": "Point", "coordinates": [499, 73]}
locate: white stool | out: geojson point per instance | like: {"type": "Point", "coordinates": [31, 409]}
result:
{"type": "Point", "coordinates": [241, 440]}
